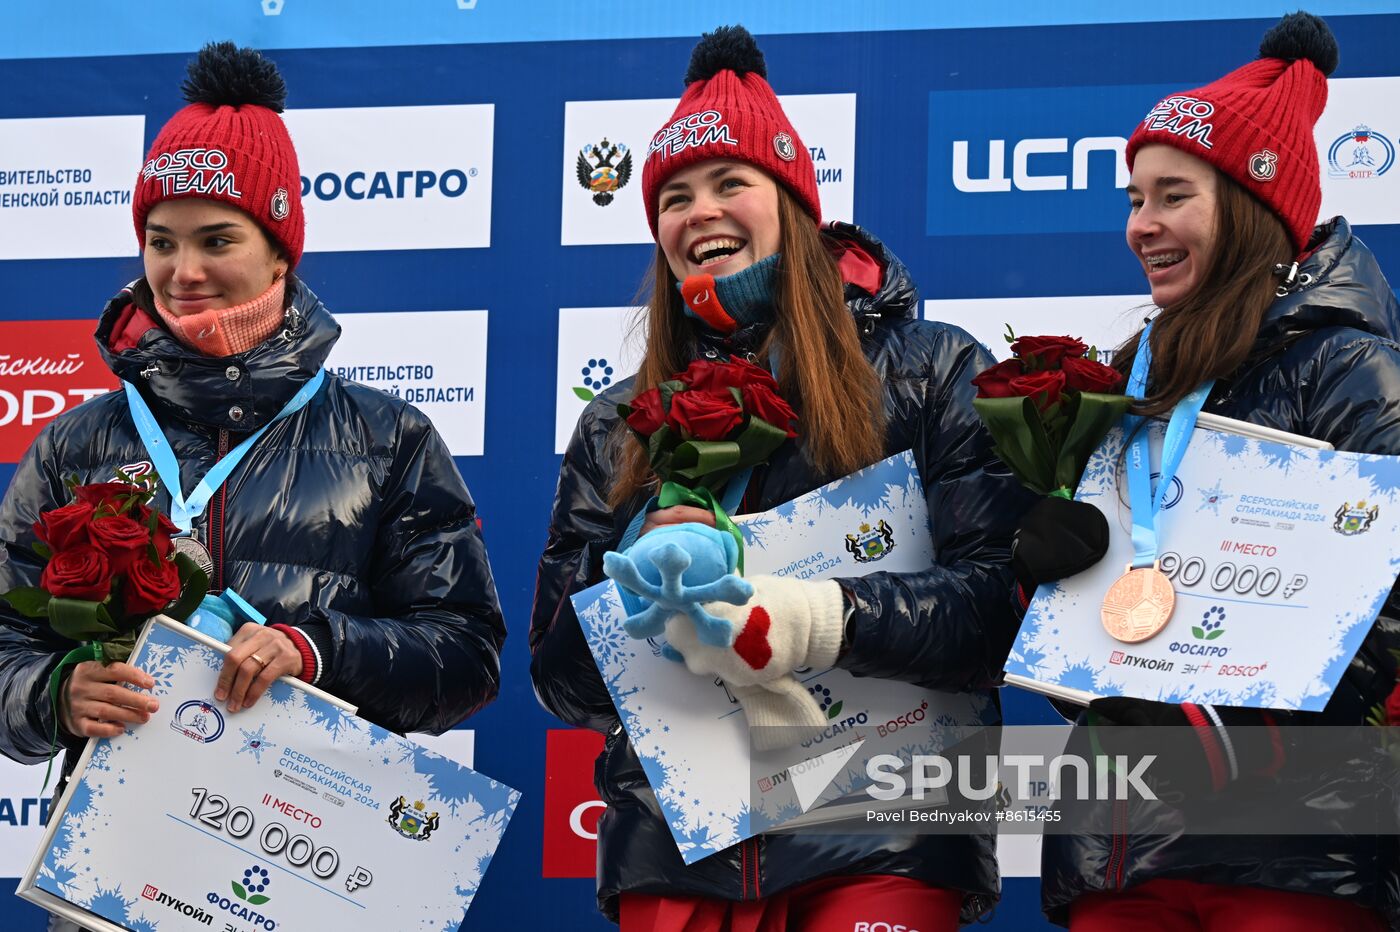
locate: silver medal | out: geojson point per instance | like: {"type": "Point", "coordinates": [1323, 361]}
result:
{"type": "Point", "coordinates": [192, 548]}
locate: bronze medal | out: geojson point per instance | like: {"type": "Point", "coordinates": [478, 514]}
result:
{"type": "Point", "coordinates": [192, 548]}
{"type": "Point", "coordinates": [1138, 605]}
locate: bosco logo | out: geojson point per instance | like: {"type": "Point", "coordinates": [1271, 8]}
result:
{"type": "Point", "coordinates": [698, 129]}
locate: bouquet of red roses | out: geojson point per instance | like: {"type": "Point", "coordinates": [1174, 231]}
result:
{"type": "Point", "coordinates": [1047, 409]}
{"type": "Point", "coordinates": [110, 566]}
{"type": "Point", "coordinates": [704, 426]}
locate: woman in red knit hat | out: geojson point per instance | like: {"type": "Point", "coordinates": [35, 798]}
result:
{"type": "Point", "coordinates": [743, 269]}
{"type": "Point", "coordinates": [332, 508]}
{"type": "Point", "coordinates": [1288, 325]}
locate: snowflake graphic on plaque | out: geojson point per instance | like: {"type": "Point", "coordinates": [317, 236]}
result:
{"type": "Point", "coordinates": [255, 742]}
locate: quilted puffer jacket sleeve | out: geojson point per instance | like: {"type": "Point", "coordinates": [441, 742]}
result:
{"type": "Point", "coordinates": [1355, 404]}
{"type": "Point", "coordinates": [949, 627]}
{"type": "Point", "coordinates": [581, 530]}
{"type": "Point", "coordinates": [29, 650]}
{"type": "Point", "coordinates": [430, 655]}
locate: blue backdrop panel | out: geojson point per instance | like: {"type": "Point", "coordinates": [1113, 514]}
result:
{"type": "Point", "coordinates": [1040, 73]}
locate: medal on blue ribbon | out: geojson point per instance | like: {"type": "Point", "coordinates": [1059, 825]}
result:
{"type": "Point", "coordinates": [185, 509]}
{"type": "Point", "coordinates": [1140, 603]}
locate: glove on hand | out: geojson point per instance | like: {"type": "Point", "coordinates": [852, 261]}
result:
{"type": "Point", "coordinates": [785, 625]}
{"type": "Point", "coordinates": [1209, 746]}
{"type": "Point", "coordinates": [1057, 538]}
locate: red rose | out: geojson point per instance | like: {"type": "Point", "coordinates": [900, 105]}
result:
{"type": "Point", "coordinates": [1392, 706]}
{"type": "Point", "coordinates": [706, 375]}
{"type": "Point", "coordinates": [165, 528]}
{"type": "Point", "coordinates": [703, 415]}
{"type": "Point", "coordinates": [151, 585]}
{"type": "Point", "coordinates": [122, 539]}
{"type": "Point", "coordinates": [996, 381]}
{"type": "Point", "coordinates": [103, 493]}
{"type": "Point", "coordinates": [647, 415]}
{"type": "Point", "coordinates": [63, 527]}
{"type": "Point", "coordinates": [762, 402]}
{"type": "Point", "coordinates": [1049, 350]}
{"type": "Point", "coordinates": [1086, 375]}
{"type": "Point", "coordinates": [80, 572]}
{"type": "Point", "coordinates": [1043, 387]}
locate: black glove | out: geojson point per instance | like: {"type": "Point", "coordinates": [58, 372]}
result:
{"type": "Point", "coordinates": [1205, 748]}
{"type": "Point", "coordinates": [1058, 537]}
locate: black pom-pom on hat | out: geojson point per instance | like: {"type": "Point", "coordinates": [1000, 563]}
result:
{"type": "Point", "coordinates": [1301, 36]}
{"type": "Point", "coordinates": [727, 48]}
{"type": "Point", "coordinates": [224, 75]}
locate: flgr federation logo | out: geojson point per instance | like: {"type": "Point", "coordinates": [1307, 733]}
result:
{"type": "Point", "coordinates": [199, 720]}
{"type": "Point", "coordinates": [1361, 153]}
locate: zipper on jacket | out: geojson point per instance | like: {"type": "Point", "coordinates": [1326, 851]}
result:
{"type": "Point", "coordinates": [1118, 851]}
{"type": "Point", "coordinates": [748, 868]}
{"type": "Point", "coordinates": [216, 522]}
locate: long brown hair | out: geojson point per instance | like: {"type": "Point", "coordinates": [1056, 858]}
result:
{"type": "Point", "coordinates": [822, 371]}
{"type": "Point", "coordinates": [1209, 332]}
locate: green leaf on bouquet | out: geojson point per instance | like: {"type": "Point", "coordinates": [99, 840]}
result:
{"type": "Point", "coordinates": [194, 583]}
{"type": "Point", "coordinates": [696, 459]}
{"type": "Point", "coordinates": [666, 390]}
{"type": "Point", "coordinates": [42, 549]}
{"type": "Point", "coordinates": [81, 619]}
{"type": "Point", "coordinates": [238, 889]}
{"type": "Point", "coordinates": [1020, 440]}
{"type": "Point", "coordinates": [30, 601]}
{"type": "Point", "coordinates": [1091, 416]}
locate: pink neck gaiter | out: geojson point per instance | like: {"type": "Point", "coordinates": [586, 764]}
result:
{"type": "Point", "coordinates": [227, 331]}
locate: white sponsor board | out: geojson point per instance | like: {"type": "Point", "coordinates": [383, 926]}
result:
{"type": "Point", "coordinates": [65, 186]}
{"type": "Point", "coordinates": [395, 177]}
{"type": "Point", "coordinates": [436, 360]}
{"type": "Point", "coordinates": [1357, 138]}
{"type": "Point", "coordinates": [596, 351]}
{"type": "Point", "coordinates": [24, 802]}
{"type": "Point", "coordinates": [825, 122]}
{"type": "Point", "coordinates": [1099, 320]}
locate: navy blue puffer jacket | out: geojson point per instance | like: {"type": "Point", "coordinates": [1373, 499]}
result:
{"type": "Point", "coordinates": [947, 628]}
{"type": "Point", "coordinates": [347, 519]}
{"type": "Point", "coordinates": [1326, 364]}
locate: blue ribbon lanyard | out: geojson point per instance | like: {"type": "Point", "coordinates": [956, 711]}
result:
{"type": "Point", "coordinates": [1146, 505]}
{"type": "Point", "coordinates": [184, 511]}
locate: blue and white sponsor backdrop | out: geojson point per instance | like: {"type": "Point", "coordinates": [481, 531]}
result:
{"type": "Point", "coordinates": [473, 274]}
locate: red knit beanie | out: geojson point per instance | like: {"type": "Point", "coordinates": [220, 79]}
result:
{"type": "Point", "coordinates": [1256, 123]}
{"type": "Point", "coordinates": [728, 111]}
{"type": "Point", "coordinates": [228, 145]}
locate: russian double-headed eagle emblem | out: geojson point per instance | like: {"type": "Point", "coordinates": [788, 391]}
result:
{"type": "Point", "coordinates": [604, 168]}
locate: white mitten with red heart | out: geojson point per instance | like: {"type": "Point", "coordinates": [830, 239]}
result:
{"type": "Point", "coordinates": [785, 625]}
